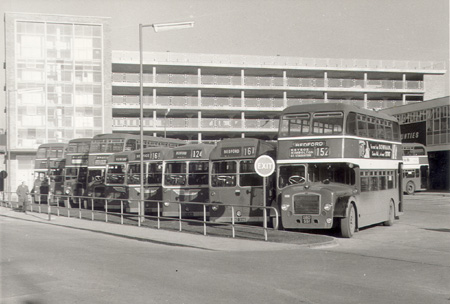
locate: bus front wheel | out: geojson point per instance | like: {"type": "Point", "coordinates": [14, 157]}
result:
{"type": "Point", "coordinates": [391, 217]}
{"type": "Point", "coordinates": [410, 187]}
{"type": "Point", "coordinates": [348, 223]}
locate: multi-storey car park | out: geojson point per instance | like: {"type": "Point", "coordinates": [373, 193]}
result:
{"type": "Point", "coordinates": [208, 97]}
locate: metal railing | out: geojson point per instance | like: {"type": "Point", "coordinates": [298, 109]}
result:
{"type": "Point", "coordinates": [277, 61]}
{"type": "Point", "coordinates": [63, 205]}
{"type": "Point", "coordinates": [273, 82]}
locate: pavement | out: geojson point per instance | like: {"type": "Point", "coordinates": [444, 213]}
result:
{"type": "Point", "coordinates": [279, 240]}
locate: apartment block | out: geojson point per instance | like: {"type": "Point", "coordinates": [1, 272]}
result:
{"type": "Point", "coordinates": [58, 83]}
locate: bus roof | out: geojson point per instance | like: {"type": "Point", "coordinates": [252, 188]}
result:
{"type": "Point", "coordinates": [411, 145]}
{"type": "Point", "coordinates": [330, 107]}
{"type": "Point", "coordinates": [80, 140]}
{"type": "Point", "coordinates": [56, 145]}
{"type": "Point", "coordinates": [232, 148]}
{"type": "Point", "coordinates": [136, 136]}
{"type": "Point", "coordinates": [192, 151]}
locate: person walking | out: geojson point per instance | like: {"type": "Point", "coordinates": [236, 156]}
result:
{"type": "Point", "coordinates": [23, 192]}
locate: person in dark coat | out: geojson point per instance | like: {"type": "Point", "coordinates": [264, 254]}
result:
{"type": "Point", "coordinates": [23, 192]}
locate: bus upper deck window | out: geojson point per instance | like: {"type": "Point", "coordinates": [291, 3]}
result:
{"type": "Point", "coordinates": [328, 123]}
{"type": "Point", "coordinates": [131, 145]}
{"type": "Point", "coordinates": [351, 123]}
{"type": "Point", "coordinates": [295, 125]}
{"type": "Point", "coordinates": [396, 131]}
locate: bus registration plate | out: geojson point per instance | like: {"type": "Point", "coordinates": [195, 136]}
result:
{"type": "Point", "coordinates": [306, 219]}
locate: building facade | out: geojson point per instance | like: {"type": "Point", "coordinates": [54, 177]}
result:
{"type": "Point", "coordinates": [208, 97]}
{"type": "Point", "coordinates": [428, 123]}
{"type": "Point", "coordinates": [58, 83]}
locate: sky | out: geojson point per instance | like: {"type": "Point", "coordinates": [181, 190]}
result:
{"type": "Point", "coordinates": [360, 29]}
{"type": "Point", "coordinates": [415, 30]}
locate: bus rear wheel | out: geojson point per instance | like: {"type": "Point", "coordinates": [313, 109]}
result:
{"type": "Point", "coordinates": [410, 188]}
{"type": "Point", "coordinates": [348, 223]}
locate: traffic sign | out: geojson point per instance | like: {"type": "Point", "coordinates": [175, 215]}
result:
{"type": "Point", "coordinates": [264, 165]}
{"type": "Point", "coordinates": [3, 174]}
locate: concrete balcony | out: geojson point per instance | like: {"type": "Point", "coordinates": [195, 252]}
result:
{"type": "Point", "coordinates": [196, 125]}
{"type": "Point", "coordinates": [266, 83]}
{"type": "Point", "coordinates": [277, 62]}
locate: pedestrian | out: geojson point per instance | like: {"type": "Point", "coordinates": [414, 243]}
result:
{"type": "Point", "coordinates": [22, 193]}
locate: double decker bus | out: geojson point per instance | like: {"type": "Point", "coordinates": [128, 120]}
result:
{"type": "Point", "coordinates": [123, 179]}
{"type": "Point", "coordinates": [235, 182]}
{"type": "Point", "coordinates": [415, 167]}
{"type": "Point", "coordinates": [185, 180]}
{"type": "Point", "coordinates": [48, 159]}
{"type": "Point", "coordinates": [104, 145]}
{"type": "Point", "coordinates": [338, 165]}
{"type": "Point", "coordinates": [75, 181]}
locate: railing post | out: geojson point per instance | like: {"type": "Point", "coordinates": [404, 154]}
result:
{"type": "Point", "coordinates": [57, 204]}
{"type": "Point", "coordinates": [139, 213]}
{"type": "Point", "coordinates": [265, 222]}
{"type": "Point", "coordinates": [68, 206]}
{"type": "Point", "coordinates": [92, 209]}
{"type": "Point", "coordinates": [79, 207]}
{"type": "Point", "coordinates": [121, 212]}
{"type": "Point", "coordinates": [179, 216]}
{"type": "Point", "coordinates": [39, 202]}
{"type": "Point", "coordinates": [232, 222]}
{"type": "Point", "coordinates": [106, 210]}
{"type": "Point", "coordinates": [49, 210]}
{"type": "Point", "coordinates": [204, 219]}
{"type": "Point", "coordinates": [158, 215]}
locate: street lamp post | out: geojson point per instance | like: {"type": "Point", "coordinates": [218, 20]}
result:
{"type": "Point", "coordinates": [160, 27]}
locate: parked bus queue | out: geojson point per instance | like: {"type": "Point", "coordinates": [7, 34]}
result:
{"type": "Point", "coordinates": [337, 166]}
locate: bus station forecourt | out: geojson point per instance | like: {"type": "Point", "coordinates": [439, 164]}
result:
{"type": "Point", "coordinates": [278, 240]}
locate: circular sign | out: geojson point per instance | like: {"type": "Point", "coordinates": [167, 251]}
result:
{"type": "Point", "coordinates": [264, 165]}
{"type": "Point", "coordinates": [3, 174]}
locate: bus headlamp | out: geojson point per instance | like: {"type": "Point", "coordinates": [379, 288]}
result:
{"type": "Point", "coordinates": [329, 220]}
{"type": "Point", "coordinates": [213, 193]}
{"type": "Point", "coordinates": [285, 207]}
{"type": "Point", "coordinates": [187, 209]}
{"type": "Point", "coordinates": [327, 207]}
{"type": "Point", "coordinates": [239, 213]}
{"type": "Point", "coordinates": [214, 208]}
{"type": "Point", "coordinates": [166, 204]}
{"type": "Point", "coordinates": [67, 191]}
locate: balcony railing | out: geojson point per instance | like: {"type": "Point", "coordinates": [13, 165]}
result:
{"type": "Point", "coordinates": [272, 82]}
{"type": "Point", "coordinates": [197, 124]}
{"type": "Point", "coordinates": [276, 104]}
{"type": "Point", "coordinates": [276, 61]}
